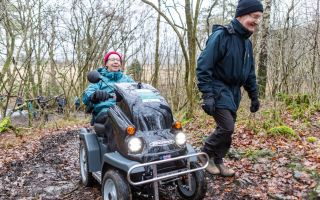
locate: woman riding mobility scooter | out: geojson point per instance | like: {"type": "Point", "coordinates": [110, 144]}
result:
{"type": "Point", "coordinates": [140, 150]}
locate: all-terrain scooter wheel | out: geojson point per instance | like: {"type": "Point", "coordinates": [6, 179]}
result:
{"type": "Point", "coordinates": [86, 176]}
{"type": "Point", "coordinates": [198, 185]}
{"type": "Point", "coordinates": [115, 186]}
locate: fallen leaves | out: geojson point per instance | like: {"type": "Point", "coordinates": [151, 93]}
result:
{"type": "Point", "coordinates": [276, 176]}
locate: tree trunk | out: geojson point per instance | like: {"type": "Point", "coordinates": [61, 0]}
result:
{"type": "Point", "coordinates": [156, 56]}
{"type": "Point", "coordinates": [263, 55]}
{"type": "Point", "coordinates": [10, 49]}
{"type": "Point", "coordinates": [315, 50]}
{"type": "Point", "coordinates": [53, 80]}
{"type": "Point", "coordinates": [189, 51]}
{"type": "Point", "coordinates": [192, 47]}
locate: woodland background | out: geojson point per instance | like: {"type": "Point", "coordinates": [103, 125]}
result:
{"type": "Point", "coordinates": [47, 48]}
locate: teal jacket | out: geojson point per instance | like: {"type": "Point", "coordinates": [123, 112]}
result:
{"type": "Point", "coordinates": [109, 79]}
{"type": "Point", "coordinates": [227, 64]}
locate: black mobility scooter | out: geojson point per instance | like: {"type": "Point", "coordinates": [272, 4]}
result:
{"type": "Point", "coordinates": [140, 152]}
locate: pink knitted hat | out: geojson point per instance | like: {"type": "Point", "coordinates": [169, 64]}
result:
{"type": "Point", "coordinates": [106, 57]}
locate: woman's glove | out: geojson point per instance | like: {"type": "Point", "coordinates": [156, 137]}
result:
{"type": "Point", "coordinates": [255, 105]}
{"type": "Point", "coordinates": [99, 95]}
{"type": "Point", "coordinates": [208, 103]}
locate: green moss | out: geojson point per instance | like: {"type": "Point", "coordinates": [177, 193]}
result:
{"type": "Point", "coordinates": [254, 154]}
{"type": "Point", "coordinates": [5, 124]}
{"type": "Point", "coordinates": [299, 105]}
{"type": "Point", "coordinates": [283, 131]}
{"type": "Point", "coordinates": [299, 99]}
{"type": "Point", "coordinates": [312, 139]}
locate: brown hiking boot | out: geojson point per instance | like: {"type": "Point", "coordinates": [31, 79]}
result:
{"type": "Point", "coordinates": [225, 171]}
{"type": "Point", "coordinates": [202, 159]}
{"type": "Point", "coordinates": [211, 168]}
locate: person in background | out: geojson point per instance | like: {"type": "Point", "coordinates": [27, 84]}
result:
{"type": "Point", "coordinates": [224, 66]}
{"type": "Point", "coordinates": [97, 95]}
{"type": "Point", "coordinates": [31, 109]}
{"type": "Point", "coordinates": [43, 103]}
{"type": "Point", "coordinates": [61, 103]}
{"type": "Point", "coordinates": [19, 102]}
{"type": "Point", "coordinates": [41, 100]}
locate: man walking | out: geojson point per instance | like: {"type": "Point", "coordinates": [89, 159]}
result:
{"type": "Point", "coordinates": [224, 66]}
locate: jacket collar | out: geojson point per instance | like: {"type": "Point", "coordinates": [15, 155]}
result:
{"type": "Point", "coordinates": [240, 29]}
{"type": "Point", "coordinates": [110, 75]}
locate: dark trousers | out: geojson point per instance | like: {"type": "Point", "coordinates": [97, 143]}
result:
{"type": "Point", "coordinates": [101, 117]}
{"type": "Point", "coordinates": [218, 143]}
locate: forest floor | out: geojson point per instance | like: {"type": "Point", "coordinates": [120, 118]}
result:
{"type": "Point", "coordinates": [43, 163]}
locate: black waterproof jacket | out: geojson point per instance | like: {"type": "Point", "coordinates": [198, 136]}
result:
{"type": "Point", "coordinates": [226, 64]}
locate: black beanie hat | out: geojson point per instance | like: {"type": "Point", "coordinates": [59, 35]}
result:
{"type": "Point", "coordinates": [248, 6]}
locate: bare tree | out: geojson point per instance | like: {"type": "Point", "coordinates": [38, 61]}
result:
{"type": "Point", "coordinates": [9, 28]}
{"type": "Point", "coordinates": [316, 51]}
{"type": "Point", "coordinates": [263, 55]}
{"type": "Point", "coordinates": [189, 48]}
{"type": "Point", "coordinates": [156, 61]}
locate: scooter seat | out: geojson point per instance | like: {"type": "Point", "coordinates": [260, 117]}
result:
{"type": "Point", "coordinates": [99, 128]}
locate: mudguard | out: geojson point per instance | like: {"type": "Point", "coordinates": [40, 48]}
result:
{"type": "Point", "coordinates": [91, 141]}
{"type": "Point", "coordinates": [190, 150]}
{"type": "Point", "coordinates": [116, 160]}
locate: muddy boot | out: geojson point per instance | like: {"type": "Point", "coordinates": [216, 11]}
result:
{"type": "Point", "coordinates": [211, 168]}
{"type": "Point", "coordinates": [202, 159]}
{"type": "Point", "coordinates": [225, 171]}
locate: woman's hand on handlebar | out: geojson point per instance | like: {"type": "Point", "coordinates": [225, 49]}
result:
{"type": "Point", "coordinates": [99, 95]}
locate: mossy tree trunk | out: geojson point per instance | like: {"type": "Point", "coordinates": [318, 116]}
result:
{"type": "Point", "coordinates": [263, 54]}
{"type": "Point", "coordinates": [156, 56]}
{"type": "Point", "coordinates": [188, 49]}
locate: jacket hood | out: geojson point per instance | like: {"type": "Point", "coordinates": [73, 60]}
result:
{"type": "Point", "coordinates": [216, 27]}
{"type": "Point", "coordinates": [233, 27]}
{"type": "Point", "coordinates": [110, 75]}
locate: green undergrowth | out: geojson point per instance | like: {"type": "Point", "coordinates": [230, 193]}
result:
{"type": "Point", "coordinates": [274, 118]}
{"type": "Point", "coordinates": [185, 121]}
{"type": "Point", "coordinates": [282, 131]}
{"type": "Point", "coordinates": [255, 154]}
{"type": "Point", "coordinates": [311, 139]}
{"type": "Point", "coordinates": [301, 106]}
{"type": "Point", "coordinates": [250, 153]}
{"type": "Point", "coordinates": [5, 124]}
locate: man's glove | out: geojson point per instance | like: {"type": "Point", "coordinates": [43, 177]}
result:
{"type": "Point", "coordinates": [255, 105]}
{"type": "Point", "coordinates": [99, 95]}
{"type": "Point", "coordinates": [208, 103]}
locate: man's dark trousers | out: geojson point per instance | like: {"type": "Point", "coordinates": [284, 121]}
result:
{"type": "Point", "coordinates": [218, 143]}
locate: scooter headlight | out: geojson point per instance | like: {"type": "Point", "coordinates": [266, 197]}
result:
{"type": "Point", "coordinates": [135, 144]}
{"type": "Point", "coordinates": [181, 138]}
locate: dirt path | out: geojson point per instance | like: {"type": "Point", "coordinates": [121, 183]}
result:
{"type": "Point", "coordinates": [49, 169]}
